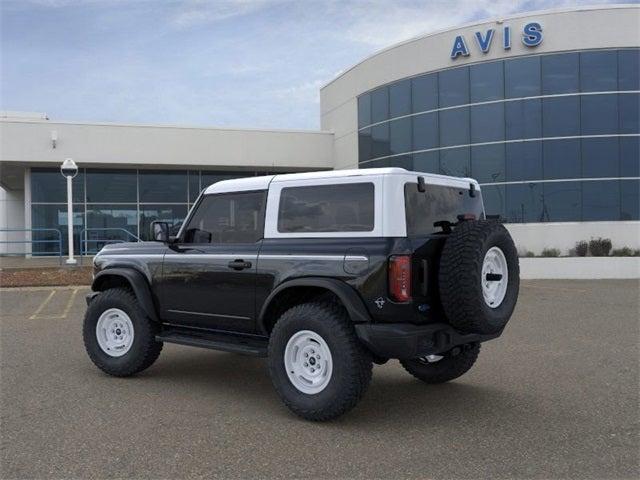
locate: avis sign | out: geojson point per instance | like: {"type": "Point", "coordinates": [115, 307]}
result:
{"type": "Point", "coordinates": [531, 37]}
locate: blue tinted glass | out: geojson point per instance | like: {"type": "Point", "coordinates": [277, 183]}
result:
{"type": "Point", "coordinates": [116, 217]}
{"type": "Point", "coordinates": [562, 202]}
{"type": "Point", "coordinates": [173, 214]}
{"type": "Point", "coordinates": [524, 161]}
{"type": "Point", "coordinates": [524, 203]}
{"type": "Point", "coordinates": [630, 200]}
{"type": "Point", "coordinates": [400, 135]}
{"type": "Point", "coordinates": [424, 92]}
{"type": "Point", "coordinates": [400, 98]}
{"type": "Point", "coordinates": [599, 71]}
{"type": "Point", "coordinates": [382, 163]}
{"type": "Point", "coordinates": [425, 131]}
{"type": "Point", "coordinates": [560, 73]}
{"type": "Point", "coordinates": [401, 161]}
{"type": "Point", "coordinates": [208, 177]}
{"type": "Point", "coordinates": [455, 162]}
{"type": "Point", "coordinates": [600, 157]}
{"type": "Point", "coordinates": [487, 163]}
{"type": "Point", "coordinates": [600, 200]}
{"type": "Point", "coordinates": [629, 70]}
{"type": "Point", "coordinates": [112, 186]}
{"type": "Point", "coordinates": [487, 81]}
{"type": "Point", "coordinates": [49, 186]}
{"type": "Point", "coordinates": [561, 159]}
{"type": "Point", "coordinates": [629, 113]}
{"type": "Point", "coordinates": [194, 185]}
{"type": "Point", "coordinates": [454, 87]}
{"type": "Point", "coordinates": [561, 116]}
{"type": "Point", "coordinates": [522, 77]}
{"type": "Point", "coordinates": [48, 242]}
{"type": "Point", "coordinates": [599, 114]}
{"type": "Point", "coordinates": [380, 141]}
{"type": "Point", "coordinates": [364, 144]}
{"type": "Point", "coordinates": [493, 197]}
{"type": "Point", "coordinates": [364, 110]}
{"type": "Point", "coordinates": [487, 123]}
{"type": "Point", "coordinates": [163, 186]}
{"type": "Point", "coordinates": [379, 105]}
{"type": "Point", "coordinates": [630, 156]}
{"type": "Point", "coordinates": [428, 162]}
{"type": "Point", "coordinates": [454, 127]}
{"type": "Point", "coordinates": [523, 119]}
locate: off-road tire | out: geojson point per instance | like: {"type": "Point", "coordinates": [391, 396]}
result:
{"type": "Point", "coordinates": [144, 349]}
{"type": "Point", "coordinates": [460, 277]}
{"type": "Point", "coordinates": [352, 364]}
{"type": "Point", "coordinates": [449, 368]}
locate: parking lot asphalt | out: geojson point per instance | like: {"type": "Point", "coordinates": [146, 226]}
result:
{"type": "Point", "coordinates": [557, 396]}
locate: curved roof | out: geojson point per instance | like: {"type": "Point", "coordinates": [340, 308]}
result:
{"type": "Point", "coordinates": [476, 23]}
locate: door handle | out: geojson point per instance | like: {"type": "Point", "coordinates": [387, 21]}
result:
{"type": "Point", "coordinates": [239, 264]}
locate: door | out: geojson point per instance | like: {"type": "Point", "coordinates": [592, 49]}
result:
{"type": "Point", "coordinates": [209, 273]}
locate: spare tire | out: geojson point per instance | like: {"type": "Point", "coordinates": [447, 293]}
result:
{"type": "Point", "coordinates": [479, 277]}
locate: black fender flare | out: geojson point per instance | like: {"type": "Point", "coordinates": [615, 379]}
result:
{"type": "Point", "coordinates": [348, 296]}
{"type": "Point", "coordinates": [138, 283]}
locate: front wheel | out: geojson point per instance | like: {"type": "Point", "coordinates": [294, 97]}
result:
{"type": "Point", "coordinates": [317, 365]}
{"type": "Point", "coordinates": [119, 337]}
{"type": "Point", "coordinates": [442, 368]}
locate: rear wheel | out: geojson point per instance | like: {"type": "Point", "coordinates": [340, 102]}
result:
{"type": "Point", "coordinates": [442, 368]}
{"type": "Point", "coordinates": [317, 365]}
{"type": "Point", "coordinates": [118, 335]}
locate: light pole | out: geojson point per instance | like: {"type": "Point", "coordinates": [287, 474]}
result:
{"type": "Point", "coordinates": [69, 169]}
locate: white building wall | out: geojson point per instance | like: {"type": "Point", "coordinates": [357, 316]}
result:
{"type": "Point", "coordinates": [11, 217]}
{"type": "Point", "coordinates": [29, 142]}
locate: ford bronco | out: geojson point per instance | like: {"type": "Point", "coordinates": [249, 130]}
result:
{"type": "Point", "coordinates": [323, 273]}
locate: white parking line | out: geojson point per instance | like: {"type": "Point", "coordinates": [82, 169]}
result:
{"type": "Point", "coordinates": [64, 313]}
{"type": "Point", "coordinates": [42, 305]}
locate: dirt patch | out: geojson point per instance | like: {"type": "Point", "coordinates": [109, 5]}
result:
{"type": "Point", "coordinates": [45, 277]}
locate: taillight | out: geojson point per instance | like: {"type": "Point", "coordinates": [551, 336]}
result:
{"type": "Point", "coordinates": [400, 278]}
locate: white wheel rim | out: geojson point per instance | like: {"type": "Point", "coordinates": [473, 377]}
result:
{"type": "Point", "coordinates": [308, 362]}
{"type": "Point", "coordinates": [114, 332]}
{"type": "Point", "coordinates": [495, 277]}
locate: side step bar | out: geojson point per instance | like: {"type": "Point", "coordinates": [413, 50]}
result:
{"type": "Point", "coordinates": [226, 342]}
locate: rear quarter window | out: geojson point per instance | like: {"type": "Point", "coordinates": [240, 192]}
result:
{"type": "Point", "coordinates": [347, 207]}
{"type": "Point", "coordinates": [437, 203]}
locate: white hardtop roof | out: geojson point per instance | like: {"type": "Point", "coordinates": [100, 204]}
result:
{"type": "Point", "coordinates": [262, 183]}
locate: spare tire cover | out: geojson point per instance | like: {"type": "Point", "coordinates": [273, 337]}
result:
{"type": "Point", "coordinates": [479, 277]}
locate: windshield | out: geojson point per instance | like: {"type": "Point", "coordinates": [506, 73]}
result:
{"type": "Point", "coordinates": [437, 203]}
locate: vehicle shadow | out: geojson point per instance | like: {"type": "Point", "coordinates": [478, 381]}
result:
{"type": "Point", "coordinates": [393, 396]}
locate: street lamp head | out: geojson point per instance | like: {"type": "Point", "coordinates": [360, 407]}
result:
{"type": "Point", "coordinates": [69, 169]}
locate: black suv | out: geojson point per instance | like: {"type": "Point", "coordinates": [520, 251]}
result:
{"type": "Point", "coordinates": [324, 273]}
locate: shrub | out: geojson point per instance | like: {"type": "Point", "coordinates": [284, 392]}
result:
{"type": "Point", "coordinates": [581, 248]}
{"type": "Point", "coordinates": [526, 253]}
{"type": "Point", "coordinates": [600, 247]}
{"type": "Point", "coordinates": [623, 252]}
{"type": "Point", "coordinates": [636, 252]}
{"type": "Point", "coordinates": [550, 252]}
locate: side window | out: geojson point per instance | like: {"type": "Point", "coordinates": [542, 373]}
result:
{"type": "Point", "coordinates": [345, 207]}
{"type": "Point", "coordinates": [227, 218]}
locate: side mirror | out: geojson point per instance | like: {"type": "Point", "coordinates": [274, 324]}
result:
{"type": "Point", "coordinates": [160, 231]}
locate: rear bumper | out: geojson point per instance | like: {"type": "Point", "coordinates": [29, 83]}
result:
{"type": "Point", "coordinates": [406, 340]}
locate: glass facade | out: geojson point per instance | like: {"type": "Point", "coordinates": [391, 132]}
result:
{"type": "Point", "coordinates": [114, 204]}
{"type": "Point", "coordinates": [551, 138]}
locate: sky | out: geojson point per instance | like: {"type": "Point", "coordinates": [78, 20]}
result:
{"type": "Point", "coordinates": [227, 63]}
